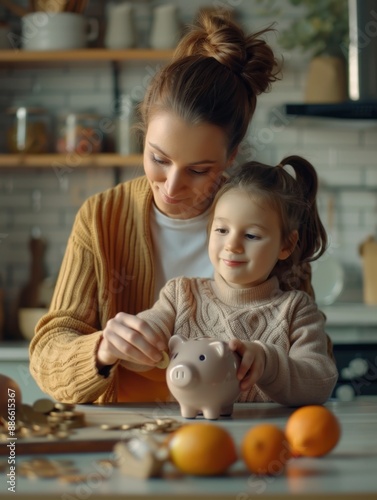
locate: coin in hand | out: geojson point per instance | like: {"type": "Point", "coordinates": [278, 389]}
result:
{"type": "Point", "coordinates": [163, 363]}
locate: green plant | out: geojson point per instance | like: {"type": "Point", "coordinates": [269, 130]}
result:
{"type": "Point", "coordinates": [321, 28]}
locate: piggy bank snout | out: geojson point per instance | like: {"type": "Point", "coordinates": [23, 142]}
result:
{"type": "Point", "coordinates": [183, 375]}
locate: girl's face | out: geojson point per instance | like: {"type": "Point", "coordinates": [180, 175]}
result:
{"type": "Point", "coordinates": [245, 239]}
{"type": "Point", "coordinates": [184, 164]}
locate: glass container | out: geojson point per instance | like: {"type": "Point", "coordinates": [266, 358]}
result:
{"type": "Point", "coordinates": [79, 133]}
{"type": "Point", "coordinates": [28, 131]}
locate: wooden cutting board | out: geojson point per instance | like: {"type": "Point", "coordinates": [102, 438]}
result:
{"type": "Point", "coordinates": [89, 439]}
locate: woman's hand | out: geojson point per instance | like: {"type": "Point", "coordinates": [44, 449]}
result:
{"type": "Point", "coordinates": [129, 338]}
{"type": "Point", "coordinates": [253, 361]}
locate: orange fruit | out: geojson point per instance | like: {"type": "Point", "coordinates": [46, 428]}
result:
{"type": "Point", "coordinates": [265, 449]}
{"type": "Point", "coordinates": [312, 431]}
{"type": "Point", "coordinates": [203, 449]}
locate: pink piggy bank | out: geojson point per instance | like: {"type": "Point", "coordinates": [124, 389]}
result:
{"type": "Point", "coordinates": [202, 376]}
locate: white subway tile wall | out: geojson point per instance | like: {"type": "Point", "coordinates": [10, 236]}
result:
{"type": "Point", "coordinates": [344, 154]}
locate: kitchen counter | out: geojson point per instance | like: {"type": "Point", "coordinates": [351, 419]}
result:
{"type": "Point", "coordinates": [348, 471]}
{"type": "Point", "coordinates": [350, 314]}
{"type": "Point", "coordinates": [14, 350]}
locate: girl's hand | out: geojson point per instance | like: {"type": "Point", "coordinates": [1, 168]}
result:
{"type": "Point", "coordinates": [129, 338]}
{"type": "Point", "coordinates": [253, 360]}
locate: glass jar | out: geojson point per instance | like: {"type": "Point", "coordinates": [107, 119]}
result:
{"type": "Point", "coordinates": [28, 131]}
{"type": "Point", "coordinates": [79, 133]}
{"type": "Point", "coordinates": [126, 136]}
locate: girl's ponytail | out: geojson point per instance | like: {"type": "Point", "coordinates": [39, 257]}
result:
{"type": "Point", "coordinates": [312, 234]}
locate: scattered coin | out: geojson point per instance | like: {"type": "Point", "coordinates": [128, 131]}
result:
{"type": "Point", "coordinates": [73, 478]}
{"type": "Point", "coordinates": [43, 405]}
{"type": "Point", "coordinates": [45, 468]}
{"type": "Point", "coordinates": [64, 406]}
{"type": "Point", "coordinates": [164, 361]}
{"type": "Point", "coordinates": [45, 418]}
{"type": "Point", "coordinates": [107, 463]}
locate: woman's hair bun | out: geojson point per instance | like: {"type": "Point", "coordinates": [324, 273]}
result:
{"type": "Point", "coordinates": [216, 35]}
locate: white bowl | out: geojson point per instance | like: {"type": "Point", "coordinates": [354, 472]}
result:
{"type": "Point", "coordinates": [28, 318]}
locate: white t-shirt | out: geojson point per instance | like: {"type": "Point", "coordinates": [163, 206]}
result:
{"type": "Point", "coordinates": [180, 247]}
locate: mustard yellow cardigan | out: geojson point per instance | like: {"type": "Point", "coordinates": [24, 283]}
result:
{"type": "Point", "coordinates": [107, 268]}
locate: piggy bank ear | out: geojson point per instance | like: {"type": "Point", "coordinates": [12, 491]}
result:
{"type": "Point", "coordinates": [176, 341]}
{"type": "Point", "coordinates": [219, 347]}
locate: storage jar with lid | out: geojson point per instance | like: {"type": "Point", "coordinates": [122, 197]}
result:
{"type": "Point", "coordinates": [79, 133]}
{"type": "Point", "coordinates": [28, 131]}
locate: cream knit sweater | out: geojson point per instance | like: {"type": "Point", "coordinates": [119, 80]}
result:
{"type": "Point", "coordinates": [287, 325]}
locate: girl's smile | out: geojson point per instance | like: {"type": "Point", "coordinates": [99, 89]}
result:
{"type": "Point", "coordinates": [245, 239]}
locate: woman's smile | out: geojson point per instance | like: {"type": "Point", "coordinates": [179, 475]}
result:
{"type": "Point", "coordinates": [184, 164]}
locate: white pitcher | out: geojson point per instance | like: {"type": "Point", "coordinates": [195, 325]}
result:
{"type": "Point", "coordinates": [165, 27]}
{"type": "Point", "coordinates": [120, 28]}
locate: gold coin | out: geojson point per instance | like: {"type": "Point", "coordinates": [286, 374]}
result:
{"type": "Point", "coordinates": [43, 405]}
{"type": "Point", "coordinates": [64, 406]}
{"type": "Point", "coordinates": [107, 463]}
{"type": "Point", "coordinates": [164, 361]}
{"type": "Point", "coordinates": [109, 427]}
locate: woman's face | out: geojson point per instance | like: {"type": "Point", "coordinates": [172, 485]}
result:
{"type": "Point", "coordinates": [184, 164]}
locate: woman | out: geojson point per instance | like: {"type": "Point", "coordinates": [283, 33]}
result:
{"type": "Point", "coordinates": [129, 240]}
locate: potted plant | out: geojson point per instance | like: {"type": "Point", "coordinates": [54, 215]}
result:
{"type": "Point", "coordinates": [320, 30]}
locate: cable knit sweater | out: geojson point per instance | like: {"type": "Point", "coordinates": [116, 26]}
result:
{"type": "Point", "coordinates": [287, 325]}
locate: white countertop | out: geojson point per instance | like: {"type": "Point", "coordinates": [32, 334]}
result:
{"type": "Point", "coordinates": [350, 314]}
{"type": "Point", "coordinates": [348, 471]}
{"type": "Point", "coordinates": [14, 351]}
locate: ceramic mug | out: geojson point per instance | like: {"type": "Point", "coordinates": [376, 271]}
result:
{"type": "Point", "coordinates": [57, 31]}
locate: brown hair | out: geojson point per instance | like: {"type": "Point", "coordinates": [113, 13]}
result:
{"type": "Point", "coordinates": [215, 76]}
{"type": "Point", "coordinates": [294, 199]}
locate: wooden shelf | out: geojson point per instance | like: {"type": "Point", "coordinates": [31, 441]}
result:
{"type": "Point", "coordinates": [69, 160]}
{"type": "Point", "coordinates": [24, 56]}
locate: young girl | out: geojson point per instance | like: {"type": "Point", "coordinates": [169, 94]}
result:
{"type": "Point", "coordinates": [263, 225]}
